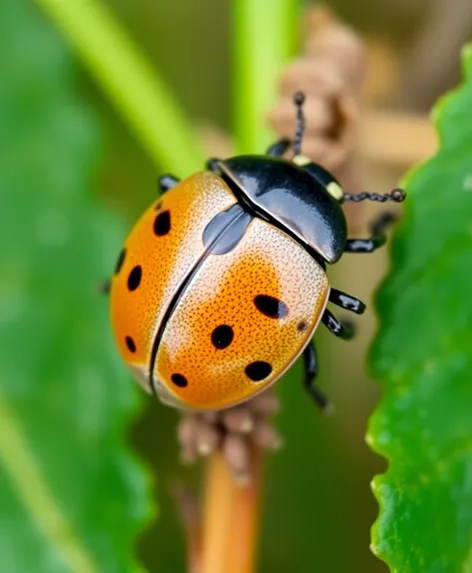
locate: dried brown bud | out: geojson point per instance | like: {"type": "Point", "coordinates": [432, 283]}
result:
{"type": "Point", "coordinates": [234, 431]}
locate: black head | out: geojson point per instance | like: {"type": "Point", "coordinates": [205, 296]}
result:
{"type": "Point", "coordinates": [297, 195]}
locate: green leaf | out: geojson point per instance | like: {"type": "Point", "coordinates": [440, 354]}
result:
{"type": "Point", "coordinates": [423, 356]}
{"type": "Point", "coordinates": [72, 497]}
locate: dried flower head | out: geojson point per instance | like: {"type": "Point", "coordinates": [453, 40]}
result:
{"type": "Point", "coordinates": [233, 431]}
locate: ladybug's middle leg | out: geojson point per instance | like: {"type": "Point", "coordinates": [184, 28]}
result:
{"type": "Point", "coordinates": [346, 301]}
{"type": "Point", "coordinates": [212, 165]}
{"type": "Point", "coordinates": [310, 361]}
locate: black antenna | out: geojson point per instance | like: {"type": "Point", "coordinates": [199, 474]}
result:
{"type": "Point", "coordinates": [397, 195]}
{"type": "Point", "coordinates": [298, 100]}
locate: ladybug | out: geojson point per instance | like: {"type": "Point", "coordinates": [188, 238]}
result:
{"type": "Point", "coordinates": [222, 282]}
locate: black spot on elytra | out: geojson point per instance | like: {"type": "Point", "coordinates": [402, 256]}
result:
{"type": "Point", "coordinates": [120, 261]}
{"type": "Point", "coordinates": [135, 277]}
{"type": "Point", "coordinates": [158, 206]}
{"type": "Point", "coordinates": [130, 344]}
{"type": "Point", "coordinates": [270, 306]}
{"type": "Point", "coordinates": [301, 326]}
{"type": "Point", "coordinates": [222, 336]}
{"type": "Point", "coordinates": [179, 380]}
{"type": "Point", "coordinates": [162, 223]}
{"type": "Point", "coordinates": [257, 371]}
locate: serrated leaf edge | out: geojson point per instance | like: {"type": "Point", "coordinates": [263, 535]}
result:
{"type": "Point", "coordinates": [435, 117]}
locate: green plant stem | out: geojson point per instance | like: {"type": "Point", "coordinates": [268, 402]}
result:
{"type": "Point", "coordinates": [262, 41]}
{"type": "Point", "coordinates": [130, 82]}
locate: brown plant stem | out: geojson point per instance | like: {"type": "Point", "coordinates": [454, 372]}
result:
{"type": "Point", "coordinates": [216, 514]}
{"type": "Point", "coordinates": [230, 520]}
{"type": "Point", "coordinates": [244, 525]}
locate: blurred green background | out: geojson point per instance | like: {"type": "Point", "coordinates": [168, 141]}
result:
{"type": "Point", "coordinates": [317, 505]}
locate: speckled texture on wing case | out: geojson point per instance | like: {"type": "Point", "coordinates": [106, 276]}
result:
{"type": "Point", "coordinates": [265, 262]}
{"type": "Point", "coordinates": [165, 254]}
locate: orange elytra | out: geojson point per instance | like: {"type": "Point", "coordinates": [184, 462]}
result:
{"type": "Point", "coordinates": [222, 282]}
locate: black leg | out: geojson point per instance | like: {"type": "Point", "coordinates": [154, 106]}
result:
{"type": "Point", "coordinates": [166, 182]}
{"type": "Point", "coordinates": [311, 370]}
{"type": "Point", "coordinates": [212, 165]}
{"type": "Point", "coordinates": [346, 301]}
{"type": "Point", "coordinates": [378, 229]}
{"type": "Point", "coordinates": [279, 148]}
{"type": "Point", "coordinates": [343, 330]}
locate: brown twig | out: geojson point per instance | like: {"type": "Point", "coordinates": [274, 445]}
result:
{"type": "Point", "coordinates": [244, 525]}
{"type": "Point", "coordinates": [218, 504]}
{"type": "Point", "coordinates": [406, 139]}
{"type": "Point", "coordinates": [230, 518]}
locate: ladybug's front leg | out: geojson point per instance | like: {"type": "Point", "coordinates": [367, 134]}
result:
{"type": "Point", "coordinates": [378, 238]}
{"type": "Point", "coordinates": [212, 165]}
{"type": "Point", "coordinates": [279, 148]}
{"type": "Point", "coordinates": [311, 370]}
{"type": "Point", "coordinates": [346, 301]}
{"type": "Point", "coordinates": [166, 182]}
